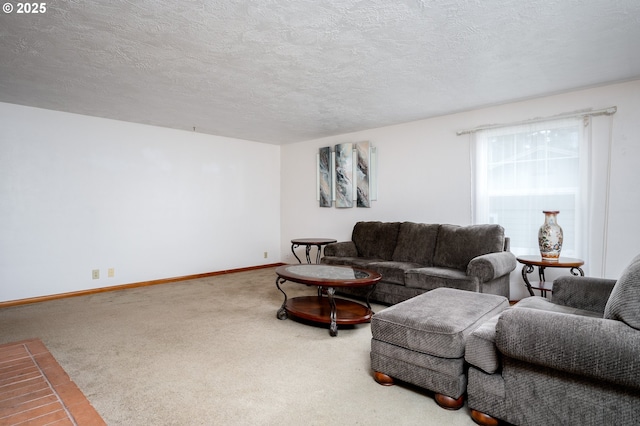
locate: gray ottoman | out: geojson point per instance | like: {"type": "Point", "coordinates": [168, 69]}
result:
{"type": "Point", "coordinates": [421, 340]}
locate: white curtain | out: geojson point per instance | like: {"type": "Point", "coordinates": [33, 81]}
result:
{"type": "Point", "coordinates": [519, 171]}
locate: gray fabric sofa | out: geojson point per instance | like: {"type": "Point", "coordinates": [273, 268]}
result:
{"type": "Point", "coordinates": [574, 359]}
{"type": "Point", "coordinates": [414, 258]}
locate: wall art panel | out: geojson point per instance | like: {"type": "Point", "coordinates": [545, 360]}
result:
{"type": "Point", "coordinates": [344, 175]}
{"type": "Point", "coordinates": [362, 174]}
{"type": "Point", "coordinates": [325, 190]}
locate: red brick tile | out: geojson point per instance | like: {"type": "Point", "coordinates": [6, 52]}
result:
{"type": "Point", "coordinates": [48, 419]}
{"type": "Point", "coordinates": [31, 404]}
{"type": "Point", "coordinates": [18, 365]}
{"type": "Point", "coordinates": [22, 398]}
{"type": "Point", "coordinates": [11, 390]}
{"type": "Point", "coordinates": [26, 415]}
{"type": "Point", "coordinates": [36, 347]}
{"type": "Point", "coordinates": [20, 377]}
{"type": "Point", "coordinates": [46, 361]}
{"type": "Point", "coordinates": [64, 422]}
{"type": "Point", "coordinates": [85, 414]}
{"type": "Point", "coordinates": [12, 352]}
{"type": "Point", "coordinates": [28, 398]}
{"type": "Point", "coordinates": [70, 394]}
{"type": "Point", "coordinates": [56, 376]}
{"type": "Point", "coordinates": [9, 364]}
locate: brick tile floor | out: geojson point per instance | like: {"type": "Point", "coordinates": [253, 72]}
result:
{"type": "Point", "coordinates": [35, 390]}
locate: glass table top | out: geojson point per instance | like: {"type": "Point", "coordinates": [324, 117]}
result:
{"type": "Point", "coordinates": [328, 272]}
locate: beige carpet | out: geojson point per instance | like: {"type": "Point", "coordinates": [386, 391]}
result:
{"type": "Point", "coordinates": [212, 352]}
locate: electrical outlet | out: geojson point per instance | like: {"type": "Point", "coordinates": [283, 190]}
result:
{"type": "Point", "coordinates": [95, 274]}
{"type": "Point", "coordinates": [266, 254]}
{"type": "Point", "coordinates": [111, 272]}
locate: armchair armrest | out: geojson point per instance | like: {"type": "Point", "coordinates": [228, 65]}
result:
{"type": "Point", "coordinates": [586, 293]}
{"type": "Point", "coordinates": [480, 348]}
{"type": "Point", "coordinates": [341, 249]}
{"type": "Point", "coordinates": [601, 349]}
{"type": "Point", "coordinates": [492, 265]}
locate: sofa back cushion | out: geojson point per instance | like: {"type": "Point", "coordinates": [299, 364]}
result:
{"type": "Point", "coordinates": [457, 245]}
{"type": "Point", "coordinates": [624, 299]}
{"type": "Point", "coordinates": [416, 243]}
{"type": "Point", "coordinates": [375, 239]}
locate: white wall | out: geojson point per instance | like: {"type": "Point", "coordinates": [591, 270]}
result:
{"type": "Point", "coordinates": [79, 193]}
{"type": "Point", "coordinates": [424, 174]}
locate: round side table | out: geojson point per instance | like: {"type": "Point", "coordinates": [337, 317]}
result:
{"type": "Point", "coordinates": [530, 262]}
{"type": "Point", "coordinates": [308, 243]}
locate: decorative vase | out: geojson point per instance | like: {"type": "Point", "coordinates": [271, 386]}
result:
{"type": "Point", "coordinates": [550, 236]}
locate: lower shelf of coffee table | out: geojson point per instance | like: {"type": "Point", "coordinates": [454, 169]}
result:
{"type": "Point", "coordinates": [317, 309]}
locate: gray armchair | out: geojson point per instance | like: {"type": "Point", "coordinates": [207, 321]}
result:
{"type": "Point", "coordinates": [572, 360]}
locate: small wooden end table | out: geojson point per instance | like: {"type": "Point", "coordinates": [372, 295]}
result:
{"type": "Point", "coordinates": [563, 262]}
{"type": "Point", "coordinates": [326, 309]}
{"type": "Point", "coordinates": [310, 242]}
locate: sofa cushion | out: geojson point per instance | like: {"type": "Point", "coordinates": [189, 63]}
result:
{"type": "Point", "coordinates": [434, 277]}
{"type": "Point", "coordinates": [392, 272]}
{"type": "Point", "coordinates": [624, 300]}
{"type": "Point", "coordinates": [341, 249]}
{"type": "Point", "coordinates": [416, 243]}
{"type": "Point", "coordinates": [358, 262]}
{"type": "Point", "coordinates": [375, 239]}
{"type": "Point", "coordinates": [457, 245]}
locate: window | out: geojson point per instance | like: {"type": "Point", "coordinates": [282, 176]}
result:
{"type": "Point", "coordinates": [522, 170]}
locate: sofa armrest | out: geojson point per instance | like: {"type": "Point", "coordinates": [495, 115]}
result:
{"type": "Point", "coordinates": [586, 293]}
{"type": "Point", "coordinates": [601, 349]}
{"type": "Point", "coordinates": [491, 266]}
{"type": "Point", "coordinates": [341, 249]}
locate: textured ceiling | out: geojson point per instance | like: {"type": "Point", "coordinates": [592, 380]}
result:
{"type": "Point", "coordinates": [282, 71]}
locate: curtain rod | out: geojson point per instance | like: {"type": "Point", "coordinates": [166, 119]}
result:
{"type": "Point", "coordinates": [589, 113]}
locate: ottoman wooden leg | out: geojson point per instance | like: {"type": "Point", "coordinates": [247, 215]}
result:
{"type": "Point", "coordinates": [449, 403]}
{"type": "Point", "coordinates": [483, 419]}
{"type": "Point", "coordinates": [383, 379]}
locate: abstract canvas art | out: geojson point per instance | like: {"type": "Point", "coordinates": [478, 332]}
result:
{"type": "Point", "coordinates": [347, 175]}
{"type": "Point", "coordinates": [362, 174]}
{"type": "Point", "coordinates": [324, 177]}
{"type": "Point", "coordinates": [344, 175]}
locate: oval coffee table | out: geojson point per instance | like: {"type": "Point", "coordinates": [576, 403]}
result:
{"type": "Point", "coordinates": [326, 309]}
